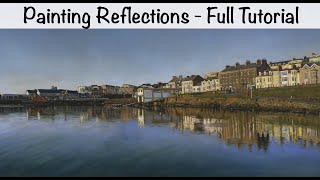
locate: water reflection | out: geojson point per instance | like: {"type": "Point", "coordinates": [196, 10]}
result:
{"type": "Point", "coordinates": [233, 128]}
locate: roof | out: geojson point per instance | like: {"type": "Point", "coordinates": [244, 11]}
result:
{"type": "Point", "coordinates": [174, 79]}
{"type": "Point", "coordinates": [13, 94]}
{"type": "Point", "coordinates": [50, 90]}
{"type": "Point", "coordinates": [261, 67]}
{"type": "Point", "coordinates": [32, 91]}
{"type": "Point", "coordinates": [210, 78]}
{"type": "Point", "coordinates": [310, 64]}
{"type": "Point", "coordinates": [280, 62]}
{"type": "Point", "coordinates": [72, 91]}
{"type": "Point", "coordinates": [239, 67]}
{"type": "Point", "coordinates": [128, 85]}
{"type": "Point", "coordinates": [190, 78]}
{"type": "Point", "coordinates": [109, 85]}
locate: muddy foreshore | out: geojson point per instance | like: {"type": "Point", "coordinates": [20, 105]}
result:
{"type": "Point", "coordinates": [245, 104]}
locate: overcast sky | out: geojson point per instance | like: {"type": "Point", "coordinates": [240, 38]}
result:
{"type": "Point", "coordinates": [68, 58]}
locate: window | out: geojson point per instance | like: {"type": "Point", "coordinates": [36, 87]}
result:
{"type": "Point", "coordinates": [306, 75]}
{"type": "Point", "coordinates": [315, 74]}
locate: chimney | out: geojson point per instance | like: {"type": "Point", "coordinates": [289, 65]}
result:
{"type": "Point", "coordinates": [258, 62]}
{"type": "Point", "coordinates": [237, 64]}
{"type": "Point", "coordinates": [247, 62]}
{"type": "Point", "coordinates": [180, 77]}
{"type": "Point", "coordinates": [227, 66]}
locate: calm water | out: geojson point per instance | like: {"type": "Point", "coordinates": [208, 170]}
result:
{"type": "Point", "coordinates": [93, 141]}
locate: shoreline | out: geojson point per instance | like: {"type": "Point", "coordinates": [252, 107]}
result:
{"type": "Point", "coordinates": [266, 104]}
{"type": "Point", "coordinates": [239, 104]}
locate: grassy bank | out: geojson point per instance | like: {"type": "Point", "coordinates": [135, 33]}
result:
{"type": "Point", "coordinates": [300, 92]}
{"type": "Point", "coordinates": [236, 103]}
{"type": "Point", "coordinates": [299, 99]}
{"type": "Point", "coordinates": [310, 91]}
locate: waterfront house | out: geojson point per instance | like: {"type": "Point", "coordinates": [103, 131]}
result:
{"type": "Point", "coordinates": [93, 91]}
{"type": "Point", "coordinates": [52, 93]}
{"type": "Point", "coordinates": [109, 89]}
{"type": "Point", "coordinates": [127, 89]}
{"type": "Point", "coordinates": [159, 85]}
{"type": "Point", "coordinates": [276, 78]}
{"type": "Point", "coordinates": [288, 64]}
{"type": "Point", "coordinates": [284, 77]}
{"type": "Point", "coordinates": [196, 88]}
{"type": "Point", "coordinates": [241, 76]}
{"type": "Point", "coordinates": [14, 97]}
{"type": "Point", "coordinates": [264, 79]}
{"type": "Point", "coordinates": [212, 75]}
{"type": "Point", "coordinates": [175, 82]}
{"type": "Point", "coordinates": [146, 85]}
{"type": "Point", "coordinates": [69, 94]}
{"type": "Point", "coordinates": [289, 77]}
{"type": "Point", "coordinates": [314, 58]}
{"type": "Point", "coordinates": [294, 77]}
{"type": "Point", "coordinates": [147, 94]}
{"type": "Point", "coordinates": [83, 89]}
{"type": "Point", "coordinates": [309, 72]}
{"type": "Point", "coordinates": [278, 65]}
{"type": "Point", "coordinates": [189, 82]}
{"type": "Point", "coordinates": [210, 84]}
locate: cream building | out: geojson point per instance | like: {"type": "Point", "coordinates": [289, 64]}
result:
{"type": "Point", "coordinates": [264, 80]}
{"type": "Point", "coordinates": [210, 84]}
{"type": "Point", "coordinates": [276, 78]}
{"type": "Point", "coordinates": [314, 58]}
{"type": "Point", "coordinates": [212, 75]}
{"type": "Point", "coordinates": [308, 73]}
{"type": "Point", "coordinates": [294, 77]}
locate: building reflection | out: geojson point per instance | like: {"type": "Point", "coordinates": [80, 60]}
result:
{"type": "Point", "coordinates": [84, 113]}
{"type": "Point", "coordinates": [247, 128]}
{"type": "Point", "coordinates": [233, 128]}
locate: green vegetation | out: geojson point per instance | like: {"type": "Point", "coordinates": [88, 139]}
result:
{"type": "Point", "coordinates": [310, 91]}
{"type": "Point", "coordinates": [214, 95]}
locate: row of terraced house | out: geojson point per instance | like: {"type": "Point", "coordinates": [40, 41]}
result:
{"type": "Point", "coordinates": [258, 74]}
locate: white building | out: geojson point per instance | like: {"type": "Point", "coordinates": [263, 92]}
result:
{"type": "Point", "coordinates": [191, 84]}
{"type": "Point", "coordinates": [284, 77]}
{"type": "Point", "coordinates": [14, 97]}
{"type": "Point", "coordinates": [151, 94]}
